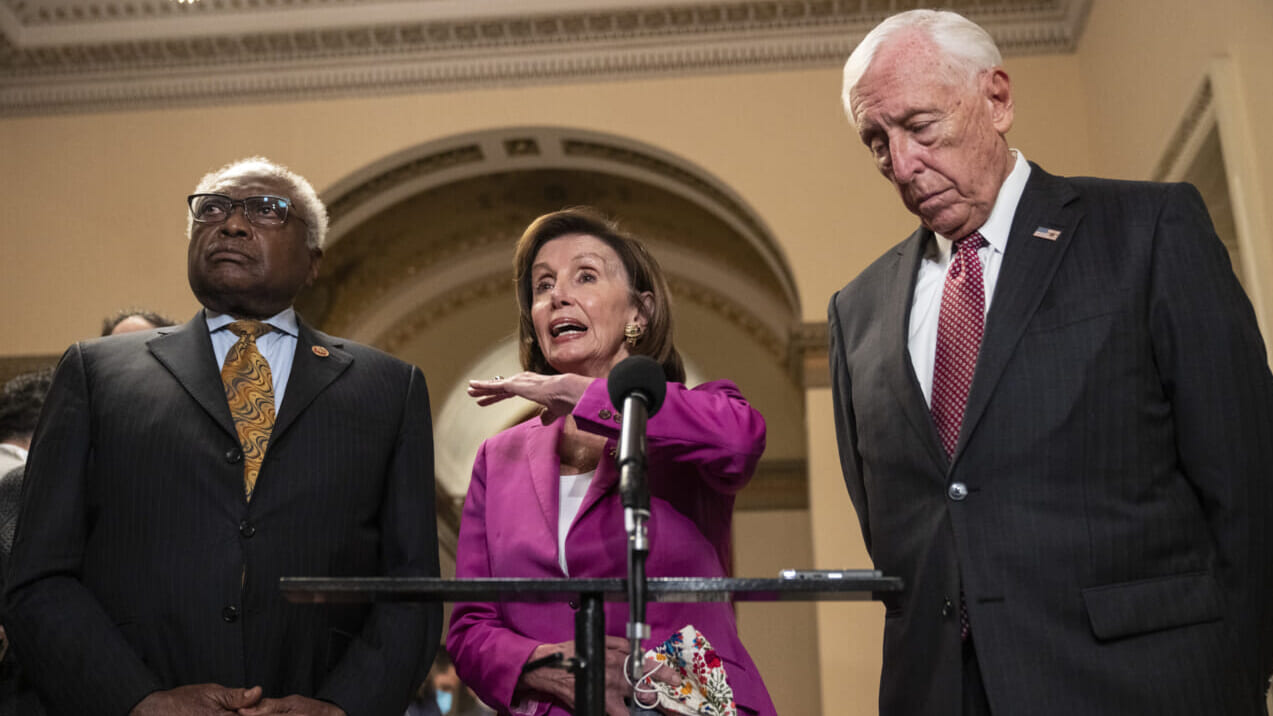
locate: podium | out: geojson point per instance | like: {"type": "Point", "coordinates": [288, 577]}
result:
{"type": "Point", "coordinates": [591, 594]}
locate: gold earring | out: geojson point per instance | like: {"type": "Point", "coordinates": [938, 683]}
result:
{"type": "Point", "coordinates": [632, 333]}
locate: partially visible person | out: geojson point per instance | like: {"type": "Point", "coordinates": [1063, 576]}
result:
{"type": "Point", "coordinates": [131, 320]}
{"type": "Point", "coordinates": [17, 695]}
{"type": "Point", "coordinates": [178, 473]}
{"type": "Point", "coordinates": [443, 694]}
{"type": "Point", "coordinates": [543, 501]}
{"type": "Point", "coordinates": [21, 399]}
{"type": "Point", "coordinates": [20, 402]}
{"type": "Point", "coordinates": [425, 702]}
{"type": "Point", "coordinates": [1054, 413]}
{"type": "Point", "coordinates": [459, 699]}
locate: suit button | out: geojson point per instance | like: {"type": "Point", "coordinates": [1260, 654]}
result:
{"type": "Point", "coordinates": [573, 604]}
{"type": "Point", "coordinates": [605, 414]}
{"type": "Point", "coordinates": [233, 455]}
{"type": "Point", "coordinates": [230, 614]}
{"type": "Point", "coordinates": [947, 608]}
{"type": "Point", "coordinates": [618, 417]}
{"type": "Point", "coordinates": [246, 529]}
{"type": "Point", "coordinates": [957, 491]}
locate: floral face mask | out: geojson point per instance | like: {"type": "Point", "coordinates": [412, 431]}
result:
{"type": "Point", "coordinates": [704, 691]}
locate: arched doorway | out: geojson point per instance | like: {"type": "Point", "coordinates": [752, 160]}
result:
{"type": "Point", "coordinates": [419, 263]}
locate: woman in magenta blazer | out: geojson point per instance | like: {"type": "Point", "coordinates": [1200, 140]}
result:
{"type": "Point", "coordinates": [544, 499]}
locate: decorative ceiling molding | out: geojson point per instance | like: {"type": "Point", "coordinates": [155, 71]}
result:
{"type": "Point", "coordinates": [87, 55]}
{"type": "Point", "coordinates": [809, 355]}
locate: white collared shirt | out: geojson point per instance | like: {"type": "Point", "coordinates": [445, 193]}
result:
{"type": "Point", "coordinates": [573, 488]}
{"type": "Point", "coordinates": [11, 456]}
{"type": "Point", "coordinates": [278, 347]}
{"type": "Point", "coordinates": [926, 303]}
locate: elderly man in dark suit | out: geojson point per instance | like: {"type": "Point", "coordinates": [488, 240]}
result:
{"type": "Point", "coordinates": [177, 473]}
{"type": "Point", "coordinates": [1054, 413]}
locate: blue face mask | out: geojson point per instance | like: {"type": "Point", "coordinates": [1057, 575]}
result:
{"type": "Point", "coordinates": [444, 701]}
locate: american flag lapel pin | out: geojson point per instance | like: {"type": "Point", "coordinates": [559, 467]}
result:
{"type": "Point", "coordinates": [1044, 232]}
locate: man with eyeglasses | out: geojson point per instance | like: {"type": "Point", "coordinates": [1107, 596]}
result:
{"type": "Point", "coordinates": [179, 472]}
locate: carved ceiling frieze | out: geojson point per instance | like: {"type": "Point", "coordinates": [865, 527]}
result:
{"type": "Point", "coordinates": [395, 176]}
{"type": "Point", "coordinates": [77, 55]}
{"type": "Point", "coordinates": [461, 198]}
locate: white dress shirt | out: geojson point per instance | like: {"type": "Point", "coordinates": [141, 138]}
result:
{"type": "Point", "coordinates": [11, 456]}
{"type": "Point", "coordinates": [569, 500]}
{"type": "Point", "coordinates": [926, 303]}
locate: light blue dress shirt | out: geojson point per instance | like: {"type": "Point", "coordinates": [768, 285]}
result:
{"type": "Point", "coordinates": [278, 347]}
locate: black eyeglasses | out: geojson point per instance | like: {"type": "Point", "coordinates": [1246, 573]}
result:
{"type": "Point", "coordinates": [269, 211]}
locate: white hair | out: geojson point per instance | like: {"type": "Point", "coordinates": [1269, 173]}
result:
{"type": "Point", "coordinates": [969, 47]}
{"type": "Point", "coordinates": [305, 201]}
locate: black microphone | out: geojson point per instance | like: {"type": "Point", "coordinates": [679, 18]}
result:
{"type": "Point", "coordinates": [637, 386]}
{"type": "Point", "coordinates": [641, 375]}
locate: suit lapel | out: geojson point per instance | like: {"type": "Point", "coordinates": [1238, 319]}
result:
{"type": "Point", "coordinates": [186, 351]}
{"type": "Point", "coordinates": [319, 360]}
{"type": "Point", "coordinates": [545, 473]}
{"type": "Point", "coordinates": [607, 476]}
{"type": "Point", "coordinates": [897, 357]}
{"type": "Point", "coordinates": [545, 470]}
{"type": "Point", "coordinates": [1029, 263]}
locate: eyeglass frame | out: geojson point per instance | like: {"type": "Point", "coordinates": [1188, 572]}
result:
{"type": "Point", "coordinates": [287, 209]}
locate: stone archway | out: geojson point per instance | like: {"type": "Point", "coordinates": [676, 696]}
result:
{"type": "Point", "coordinates": [419, 264]}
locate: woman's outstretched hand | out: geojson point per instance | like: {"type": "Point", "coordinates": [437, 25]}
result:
{"type": "Point", "coordinates": [558, 394]}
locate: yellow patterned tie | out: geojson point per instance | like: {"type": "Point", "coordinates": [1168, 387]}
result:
{"type": "Point", "coordinates": [249, 389]}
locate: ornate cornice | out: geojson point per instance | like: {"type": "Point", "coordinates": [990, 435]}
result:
{"type": "Point", "coordinates": [79, 55]}
{"type": "Point", "coordinates": [807, 355]}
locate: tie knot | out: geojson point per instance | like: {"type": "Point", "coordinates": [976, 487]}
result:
{"type": "Point", "coordinates": [971, 242]}
{"type": "Point", "coordinates": [252, 329]}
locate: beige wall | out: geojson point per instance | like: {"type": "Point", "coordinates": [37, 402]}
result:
{"type": "Point", "coordinates": [93, 201]}
{"type": "Point", "coordinates": [94, 221]}
{"type": "Point", "coordinates": [1138, 97]}
{"type": "Point", "coordinates": [782, 637]}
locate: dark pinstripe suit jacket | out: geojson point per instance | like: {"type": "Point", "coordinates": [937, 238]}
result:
{"type": "Point", "coordinates": [138, 564]}
{"type": "Point", "coordinates": [1114, 544]}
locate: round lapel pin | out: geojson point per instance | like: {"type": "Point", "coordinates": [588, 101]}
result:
{"type": "Point", "coordinates": [320, 351]}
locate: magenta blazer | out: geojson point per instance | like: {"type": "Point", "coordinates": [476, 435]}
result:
{"type": "Point", "coordinates": [703, 447]}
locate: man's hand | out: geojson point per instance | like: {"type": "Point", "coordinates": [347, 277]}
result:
{"type": "Point", "coordinates": [197, 700]}
{"type": "Point", "coordinates": [297, 705]}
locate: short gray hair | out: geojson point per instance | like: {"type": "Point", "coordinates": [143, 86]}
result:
{"type": "Point", "coordinates": [966, 43]}
{"type": "Point", "coordinates": [305, 200]}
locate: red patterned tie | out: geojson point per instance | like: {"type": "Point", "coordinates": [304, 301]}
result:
{"type": "Point", "coordinates": [959, 327]}
{"type": "Point", "coordinates": [249, 389]}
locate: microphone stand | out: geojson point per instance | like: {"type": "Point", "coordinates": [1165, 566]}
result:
{"type": "Point", "coordinates": [635, 496]}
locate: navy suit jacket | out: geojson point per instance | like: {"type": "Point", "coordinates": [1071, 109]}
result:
{"type": "Point", "coordinates": [1113, 540]}
{"type": "Point", "coordinates": [139, 565]}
